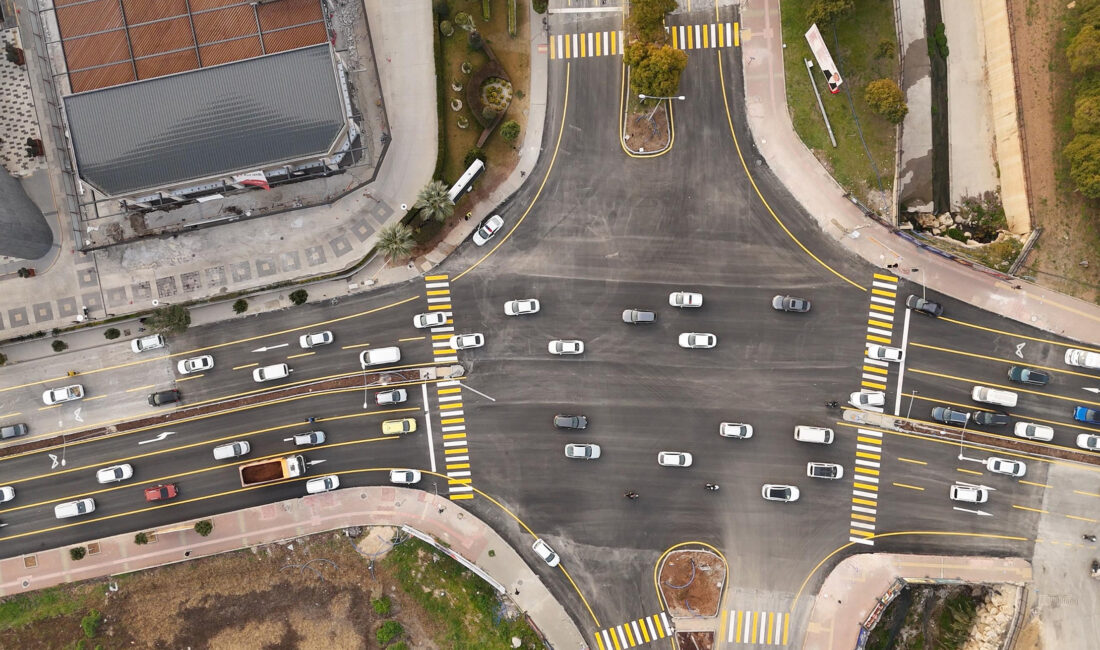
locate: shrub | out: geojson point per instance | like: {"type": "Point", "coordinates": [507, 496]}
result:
{"type": "Point", "coordinates": [204, 527]}
{"type": "Point", "coordinates": [647, 18]}
{"type": "Point", "coordinates": [90, 623]}
{"type": "Point", "coordinates": [956, 234]}
{"type": "Point", "coordinates": [240, 306]}
{"type": "Point", "coordinates": [446, 28]}
{"type": "Point", "coordinates": [539, 6]}
{"type": "Point", "coordinates": [1084, 50]}
{"type": "Point", "coordinates": [512, 18]}
{"type": "Point", "coordinates": [3, 358]}
{"type": "Point", "coordinates": [389, 631]}
{"type": "Point", "coordinates": [400, 645]}
{"type": "Point", "coordinates": [886, 99]}
{"type": "Point", "coordinates": [886, 49]}
{"type": "Point", "coordinates": [1086, 114]}
{"type": "Point", "coordinates": [141, 539]}
{"type": "Point", "coordinates": [509, 130]}
{"type": "Point", "coordinates": [939, 39]}
{"type": "Point", "coordinates": [169, 319]}
{"type": "Point", "coordinates": [474, 41]}
{"type": "Point", "coordinates": [827, 11]}
{"type": "Point", "coordinates": [474, 153]}
{"type": "Point", "coordinates": [111, 333]}
{"type": "Point", "coordinates": [77, 553]}
{"type": "Point", "coordinates": [382, 606]}
{"type": "Point", "coordinates": [1083, 155]}
{"type": "Point", "coordinates": [59, 346]}
{"type": "Point", "coordinates": [299, 296]}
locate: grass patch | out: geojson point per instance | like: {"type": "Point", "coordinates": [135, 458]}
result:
{"type": "Point", "coordinates": [860, 35]}
{"type": "Point", "coordinates": [466, 607]}
{"type": "Point", "coordinates": [20, 611]}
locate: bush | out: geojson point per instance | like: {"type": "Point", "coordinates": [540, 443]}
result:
{"type": "Point", "coordinates": [654, 69]}
{"type": "Point", "coordinates": [539, 6]}
{"type": "Point", "coordinates": [474, 42]}
{"type": "Point", "coordinates": [169, 319]}
{"type": "Point", "coordinates": [389, 631]}
{"type": "Point", "coordinates": [886, 49]}
{"type": "Point", "coordinates": [825, 12]}
{"type": "Point", "coordinates": [474, 153]}
{"type": "Point", "coordinates": [299, 296]}
{"type": "Point", "coordinates": [486, 11]}
{"type": "Point", "coordinates": [886, 99]}
{"type": "Point", "coordinates": [400, 645]}
{"type": "Point", "coordinates": [77, 553]}
{"type": "Point", "coordinates": [382, 606]}
{"type": "Point", "coordinates": [939, 42]}
{"type": "Point", "coordinates": [3, 358]}
{"type": "Point", "coordinates": [111, 333]}
{"type": "Point", "coordinates": [1086, 114]}
{"type": "Point", "coordinates": [647, 18]}
{"type": "Point", "coordinates": [446, 28]}
{"type": "Point", "coordinates": [59, 346]}
{"type": "Point", "coordinates": [204, 527]}
{"type": "Point", "coordinates": [240, 306]}
{"type": "Point", "coordinates": [90, 623]}
{"type": "Point", "coordinates": [1083, 155]}
{"type": "Point", "coordinates": [509, 130]}
{"type": "Point", "coordinates": [512, 18]}
{"type": "Point", "coordinates": [1084, 50]}
{"type": "Point", "coordinates": [141, 539]}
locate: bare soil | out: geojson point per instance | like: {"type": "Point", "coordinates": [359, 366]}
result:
{"type": "Point", "coordinates": [1069, 222]}
{"type": "Point", "coordinates": [691, 583]}
{"type": "Point", "coordinates": [642, 135]}
{"type": "Point", "coordinates": [1030, 637]}
{"type": "Point", "coordinates": [695, 640]}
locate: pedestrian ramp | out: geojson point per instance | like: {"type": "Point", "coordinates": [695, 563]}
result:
{"type": "Point", "coordinates": [635, 633]}
{"type": "Point", "coordinates": [744, 626]}
{"type": "Point", "coordinates": [611, 42]}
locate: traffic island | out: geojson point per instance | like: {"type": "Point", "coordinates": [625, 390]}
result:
{"type": "Point", "coordinates": [691, 583]}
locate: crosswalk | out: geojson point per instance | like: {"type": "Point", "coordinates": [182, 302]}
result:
{"type": "Point", "coordinates": [636, 632]}
{"type": "Point", "coordinates": [759, 627]}
{"type": "Point", "coordinates": [448, 394]}
{"type": "Point", "coordinates": [868, 462]}
{"type": "Point", "coordinates": [610, 42]}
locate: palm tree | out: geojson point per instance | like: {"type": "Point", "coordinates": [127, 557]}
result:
{"type": "Point", "coordinates": [434, 203]}
{"type": "Point", "coordinates": [395, 241]}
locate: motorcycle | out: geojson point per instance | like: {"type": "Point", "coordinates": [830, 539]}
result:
{"type": "Point", "coordinates": [1095, 572]}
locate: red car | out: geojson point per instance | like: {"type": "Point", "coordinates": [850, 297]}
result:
{"type": "Point", "coordinates": [161, 492]}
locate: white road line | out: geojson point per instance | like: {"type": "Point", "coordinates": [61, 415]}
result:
{"type": "Point", "coordinates": [449, 382]}
{"type": "Point", "coordinates": [872, 448]}
{"type": "Point", "coordinates": [866, 495]}
{"type": "Point", "coordinates": [428, 425]}
{"type": "Point", "coordinates": [436, 285]}
{"type": "Point", "coordinates": [439, 299]}
{"type": "Point", "coordinates": [457, 459]}
{"type": "Point", "coordinates": [445, 359]}
{"type": "Point", "coordinates": [864, 510]}
{"type": "Point", "coordinates": [461, 488]}
{"type": "Point", "coordinates": [884, 285]}
{"type": "Point", "coordinates": [901, 366]}
{"type": "Point", "coordinates": [867, 479]}
{"type": "Point", "coordinates": [883, 301]}
{"type": "Point", "coordinates": [449, 398]}
{"type": "Point", "coordinates": [879, 331]}
{"type": "Point", "coordinates": [880, 315]}
{"type": "Point", "coordinates": [453, 427]}
{"type": "Point", "coordinates": [860, 524]}
{"type": "Point", "coordinates": [860, 540]}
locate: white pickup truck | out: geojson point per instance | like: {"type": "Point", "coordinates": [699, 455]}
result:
{"type": "Point", "coordinates": [66, 394]}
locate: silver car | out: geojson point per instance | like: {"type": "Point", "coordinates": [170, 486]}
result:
{"type": "Point", "coordinates": [790, 303]}
{"type": "Point", "coordinates": [582, 451]}
{"type": "Point", "coordinates": [395, 396]}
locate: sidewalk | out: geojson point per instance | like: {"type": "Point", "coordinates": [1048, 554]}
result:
{"type": "Point", "coordinates": [463, 533]}
{"type": "Point", "coordinates": [819, 194]}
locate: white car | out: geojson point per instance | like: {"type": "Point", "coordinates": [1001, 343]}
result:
{"type": "Point", "coordinates": [784, 493]}
{"type": "Point", "coordinates": [269, 373]}
{"type": "Point", "coordinates": [7, 493]}
{"type": "Point", "coordinates": [1033, 431]}
{"type": "Point", "coordinates": [1088, 441]}
{"type": "Point", "coordinates": [488, 229]}
{"type": "Point", "coordinates": [313, 340]}
{"type": "Point", "coordinates": [115, 473]}
{"type": "Point", "coordinates": [582, 451]}
{"type": "Point", "coordinates": [543, 550]}
{"type": "Point", "coordinates": [830, 471]}
{"type": "Point", "coordinates": [969, 493]}
{"type": "Point", "coordinates": [885, 353]}
{"type": "Point", "coordinates": [59, 395]}
{"type": "Point", "coordinates": [404, 476]}
{"type": "Point", "coordinates": [685, 299]}
{"type": "Point", "coordinates": [144, 343]}
{"type": "Point", "coordinates": [467, 341]}
{"type": "Point", "coordinates": [996, 465]}
{"type": "Point", "coordinates": [692, 340]}
{"type": "Point", "coordinates": [865, 398]}
{"type": "Point", "coordinates": [395, 396]}
{"type": "Point", "coordinates": [1083, 358]}
{"type": "Point", "coordinates": [735, 430]}
{"type": "Point", "coordinates": [674, 459]}
{"type": "Point", "coordinates": [309, 438]}
{"type": "Point", "coordinates": [195, 364]}
{"type": "Point", "coordinates": [322, 484]}
{"type": "Point", "coordinates": [521, 307]}
{"type": "Point", "coordinates": [430, 319]}
{"type": "Point", "coordinates": [560, 346]}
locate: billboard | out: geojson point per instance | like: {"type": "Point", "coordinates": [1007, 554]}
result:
{"type": "Point", "coordinates": [824, 59]}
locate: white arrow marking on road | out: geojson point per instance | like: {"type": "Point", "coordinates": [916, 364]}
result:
{"type": "Point", "coordinates": [53, 459]}
{"type": "Point", "coordinates": [1093, 390]}
{"type": "Point", "coordinates": [976, 512]}
{"type": "Point", "coordinates": [311, 463]}
{"type": "Point", "coordinates": [1020, 349]}
{"type": "Point", "coordinates": [271, 347]}
{"type": "Point", "coordinates": [157, 439]}
{"type": "Point", "coordinates": [76, 414]}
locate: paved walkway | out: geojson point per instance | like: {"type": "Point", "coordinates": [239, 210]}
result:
{"type": "Point", "coordinates": [463, 533]}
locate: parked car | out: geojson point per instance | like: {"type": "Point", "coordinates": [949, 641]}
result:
{"type": "Point", "coordinates": [1033, 431]}
{"type": "Point", "coordinates": [64, 394]}
{"type": "Point", "coordinates": [783, 493]}
{"type": "Point", "coordinates": [674, 459]}
{"type": "Point", "coordinates": [309, 438]}
{"type": "Point", "coordinates": [1088, 441]}
{"type": "Point", "coordinates": [1005, 466]}
{"type": "Point", "coordinates": [488, 229]}
{"type": "Point", "coordinates": [824, 470]}
{"type": "Point", "coordinates": [950, 416]}
{"type": "Point", "coordinates": [307, 341]}
{"type": "Point", "coordinates": [161, 492]}
{"type": "Point", "coordinates": [1083, 358]}
{"type": "Point", "coordinates": [394, 396]}
{"type": "Point", "coordinates": [160, 398]}
{"type": "Point", "coordinates": [735, 430]}
{"type": "Point", "coordinates": [13, 430]}
{"type": "Point", "coordinates": [1086, 415]}
{"type": "Point", "coordinates": [1025, 375]}
{"type": "Point", "coordinates": [885, 353]}
{"type": "Point", "coordinates": [467, 341]}
{"type": "Point", "coordinates": [404, 476]}
{"type": "Point", "coordinates": [636, 316]}
{"type": "Point", "coordinates": [922, 306]}
{"type": "Point", "coordinates": [969, 493]}
{"type": "Point", "coordinates": [582, 451]}
{"type": "Point", "coordinates": [195, 364]}
{"type": "Point", "coordinates": [430, 319]}
{"type": "Point", "coordinates": [114, 473]}
{"type": "Point", "coordinates": [685, 299]}
{"type": "Point", "coordinates": [560, 346]}
{"type": "Point", "coordinates": [990, 419]}
{"type": "Point", "coordinates": [322, 484]}
{"type": "Point", "coordinates": [521, 307]}
{"type": "Point", "coordinates": [543, 550]}
{"type": "Point", "coordinates": [790, 303]}
{"type": "Point", "coordinates": [570, 421]}
{"type": "Point", "coordinates": [151, 342]}
{"type": "Point", "coordinates": [696, 340]}
{"type": "Point", "coordinates": [993, 396]}
{"type": "Point", "coordinates": [867, 399]}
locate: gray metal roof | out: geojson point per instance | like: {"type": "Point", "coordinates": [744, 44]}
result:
{"type": "Point", "coordinates": [235, 117]}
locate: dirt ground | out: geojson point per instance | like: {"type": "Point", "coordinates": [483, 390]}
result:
{"type": "Point", "coordinates": [242, 601]}
{"type": "Point", "coordinates": [639, 133]}
{"type": "Point", "coordinates": [703, 572]}
{"type": "Point", "coordinates": [1029, 637]}
{"type": "Point", "coordinates": [695, 640]}
{"type": "Point", "coordinates": [1069, 222]}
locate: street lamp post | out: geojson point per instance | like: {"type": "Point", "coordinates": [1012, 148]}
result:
{"type": "Point", "coordinates": [912, 396]}
{"type": "Point", "coordinates": [644, 97]}
{"type": "Point", "coordinates": [923, 286]}
{"type": "Point", "coordinates": [962, 437]}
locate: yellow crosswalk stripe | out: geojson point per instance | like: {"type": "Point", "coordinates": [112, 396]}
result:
{"type": "Point", "coordinates": [432, 278]}
{"type": "Point", "coordinates": [863, 517]}
{"type": "Point", "coordinates": [883, 308]}
{"type": "Point", "coordinates": [452, 436]}
{"type": "Point", "coordinates": [449, 391]}
{"type": "Point", "coordinates": [457, 497]}
{"type": "Point", "coordinates": [878, 339]}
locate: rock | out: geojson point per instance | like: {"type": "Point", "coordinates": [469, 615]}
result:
{"type": "Point", "coordinates": [516, 642]}
{"type": "Point", "coordinates": [960, 219]}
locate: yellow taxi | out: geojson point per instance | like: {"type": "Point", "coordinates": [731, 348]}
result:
{"type": "Point", "coordinates": [397, 427]}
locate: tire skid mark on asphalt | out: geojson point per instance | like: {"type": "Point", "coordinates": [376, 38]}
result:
{"type": "Point", "coordinates": [634, 633]}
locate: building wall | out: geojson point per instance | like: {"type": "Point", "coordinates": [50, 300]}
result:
{"type": "Point", "coordinates": [26, 235]}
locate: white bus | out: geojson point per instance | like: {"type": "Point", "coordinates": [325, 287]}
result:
{"type": "Point", "coordinates": [466, 183]}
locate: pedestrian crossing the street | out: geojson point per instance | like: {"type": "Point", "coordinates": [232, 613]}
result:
{"type": "Point", "coordinates": [628, 635]}
{"type": "Point", "coordinates": [610, 42]}
{"type": "Point", "coordinates": [452, 421]}
{"type": "Point", "coordinates": [761, 628]}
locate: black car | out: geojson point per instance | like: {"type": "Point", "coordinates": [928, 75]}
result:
{"type": "Point", "coordinates": [164, 397]}
{"type": "Point", "coordinates": [570, 421]}
{"type": "Point", "coordinates": [13, 430]}
{"type": "Point", "coordinates": [1024, 375]}
{"type": "Point", "coordinates": [989, 419]}
{"type": "Point", "coordinates": [922, 306]}
{"type": "Point", "coordinates": [950, 416]}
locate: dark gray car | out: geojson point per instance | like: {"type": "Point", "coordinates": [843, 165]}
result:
{"type": "Point", "coordinates": [922, 306]}
{"type": "Point", "coordinates": [1024, 375]}
{"type": "Point", "coordinates": [13, 430]}
{"type": "Point", "coordinates": [950, 416]}
{"type": "Point", "coordinates": [570, 421]}
{"type": "Point", "coordinates": [989, 419]}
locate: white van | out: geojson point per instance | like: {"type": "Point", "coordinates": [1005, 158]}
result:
{"type": "Point", "coordinates": [151, 342]}
{"type": "Point", "coordinates": [819, 435]}
{"type": "Point", "coordinates": [232, 450]}
{"type": "Point", "coordinates": [268, 373]}
{"type": "Point", "coordinates": [1083, 358]}
{"type": "Point", "coordinates": [379, 356]}
{"type": "Point", "coordinates": [74, 508]}
{"type": "Point", "coordinates": [993, 396]}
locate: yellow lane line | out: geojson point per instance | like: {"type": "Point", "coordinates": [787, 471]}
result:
{"type": "Point", "coordinates": [300, 354]}
{"type": "Point", "coordinates": [1085, 494]}
{"type": "Point", "coordinates": [910, 460]}
{"type": "Point", "coordinates": [355, 346]}
{"type": "Point", "coordinates": [1043, 512]}
{"type": "Point", "coordinates": [247, 365]}
{"type": "Point", "coordinates": [139, 388]}
{"type": "Point", "coordinates": [907, 486]}
{"type": "Point", "coordinates": [1042, 485]}
{"type": "Point", "coordinates": [411, 338]}
{"type": "Point", "coordinates": [1089, 520]}
{"type": "Point", "coordinates": [967, 471]}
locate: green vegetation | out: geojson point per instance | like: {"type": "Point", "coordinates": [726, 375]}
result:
{"type": "Point", "coordinates": [654, 69]}
{"type": "Point", "coordinates": [18, 611]}
{"type": "Point", "coordinates": [389, 631]}
{"type": "Point", "coordinates": [938, 44]}
{"type": "Point", "coordinates": [984, 214]}
{"type": "Point", "coordinates": [3, 358]}
{"type": "Point", "coordinates": [169, 319]}
{"type": "Point", "coordinates": [464, 605]}
{"type": "Point", "coordinates": [433, 202]}
{"type": "Point", "coordinates": [111, 333]}
{"type": "Point", "coordinates": [509, 130]}
{"type": "Point", "coordinates": [240, 306]}
{"type": "Point", "coordinates": [141, 539]}
{"type": "Point", "coordinates": [539, 6]}
{"type": "Point", "coordinates": [647, 19]}
{"type": "Point", "coordinates": [90, 623]}
{"type": "Point", "coordinates": [512, 18]}
{"type": "Point", "coordinates": [59, 346]}
{"type": "Point", "coordinates": [298, 297]}
{"type": "Point", "coordinates": [885, 98]}
{"type": "Point", "coordinates": [77, 553]}
{"type": "Point", "coordinates": [955, 620]}
{"type": "Point", "coordinates": [826, 12]}
{"type": "Point", "coordinates": [1082, 154]}
{"type": "Point", "coordinates": [204, 527]}
{"type": "Point", "coordinates": [859, 38]}
{"type": "Point", "coordinates": [382, 606]}
{"type": "Point", "coordinates": [395, 241]}
{"type": "Point", "coordinates": [486, 11]}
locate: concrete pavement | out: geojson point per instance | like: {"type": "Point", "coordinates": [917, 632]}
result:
{"type": "Point", "coordinates": [460, 531]}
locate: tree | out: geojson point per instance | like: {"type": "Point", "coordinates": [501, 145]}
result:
{"type": "Point", "coordinates": [1083, 155]}
{"type": "Point", "coordinates": [433, 202]}
{"type": "Point", "coordinates": [827, 11]}
{"type": "Point", "coordinates": [647, 18]}
{"type": "Point", "coordinates": [59, 346]}
{"type": "Point", "coordinates": [111, 333]}
{"type": "Point", "coordinates": [539, 6]}
{"type": "Point", "coordinates": [240, 306]}
{"type": "Point", "coordinates": [141, 539]}
{"type": "Point", "coordinates": [886, 99]}
{"type": "Point", "coordinates": [1086, 114]}
{"type": "Point", "coordinates": [77, 553]}
{"type": "Point", "coordinates": [395, 241]}
{"type": "Point", "coordinates": [509, 130]}
{"type": "Point", "coordinates": [204, 527]}
{"type": "Point", "coordinates": [655, 69]}
{"type": "Point", "coordinates": [1084, 50]}
{"type": "Point", "coordinates": [169, 319]}
{"type": "Point", "coordinates": [472, 154]}
{"type": "Point", "coordinates": [299, 296]}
